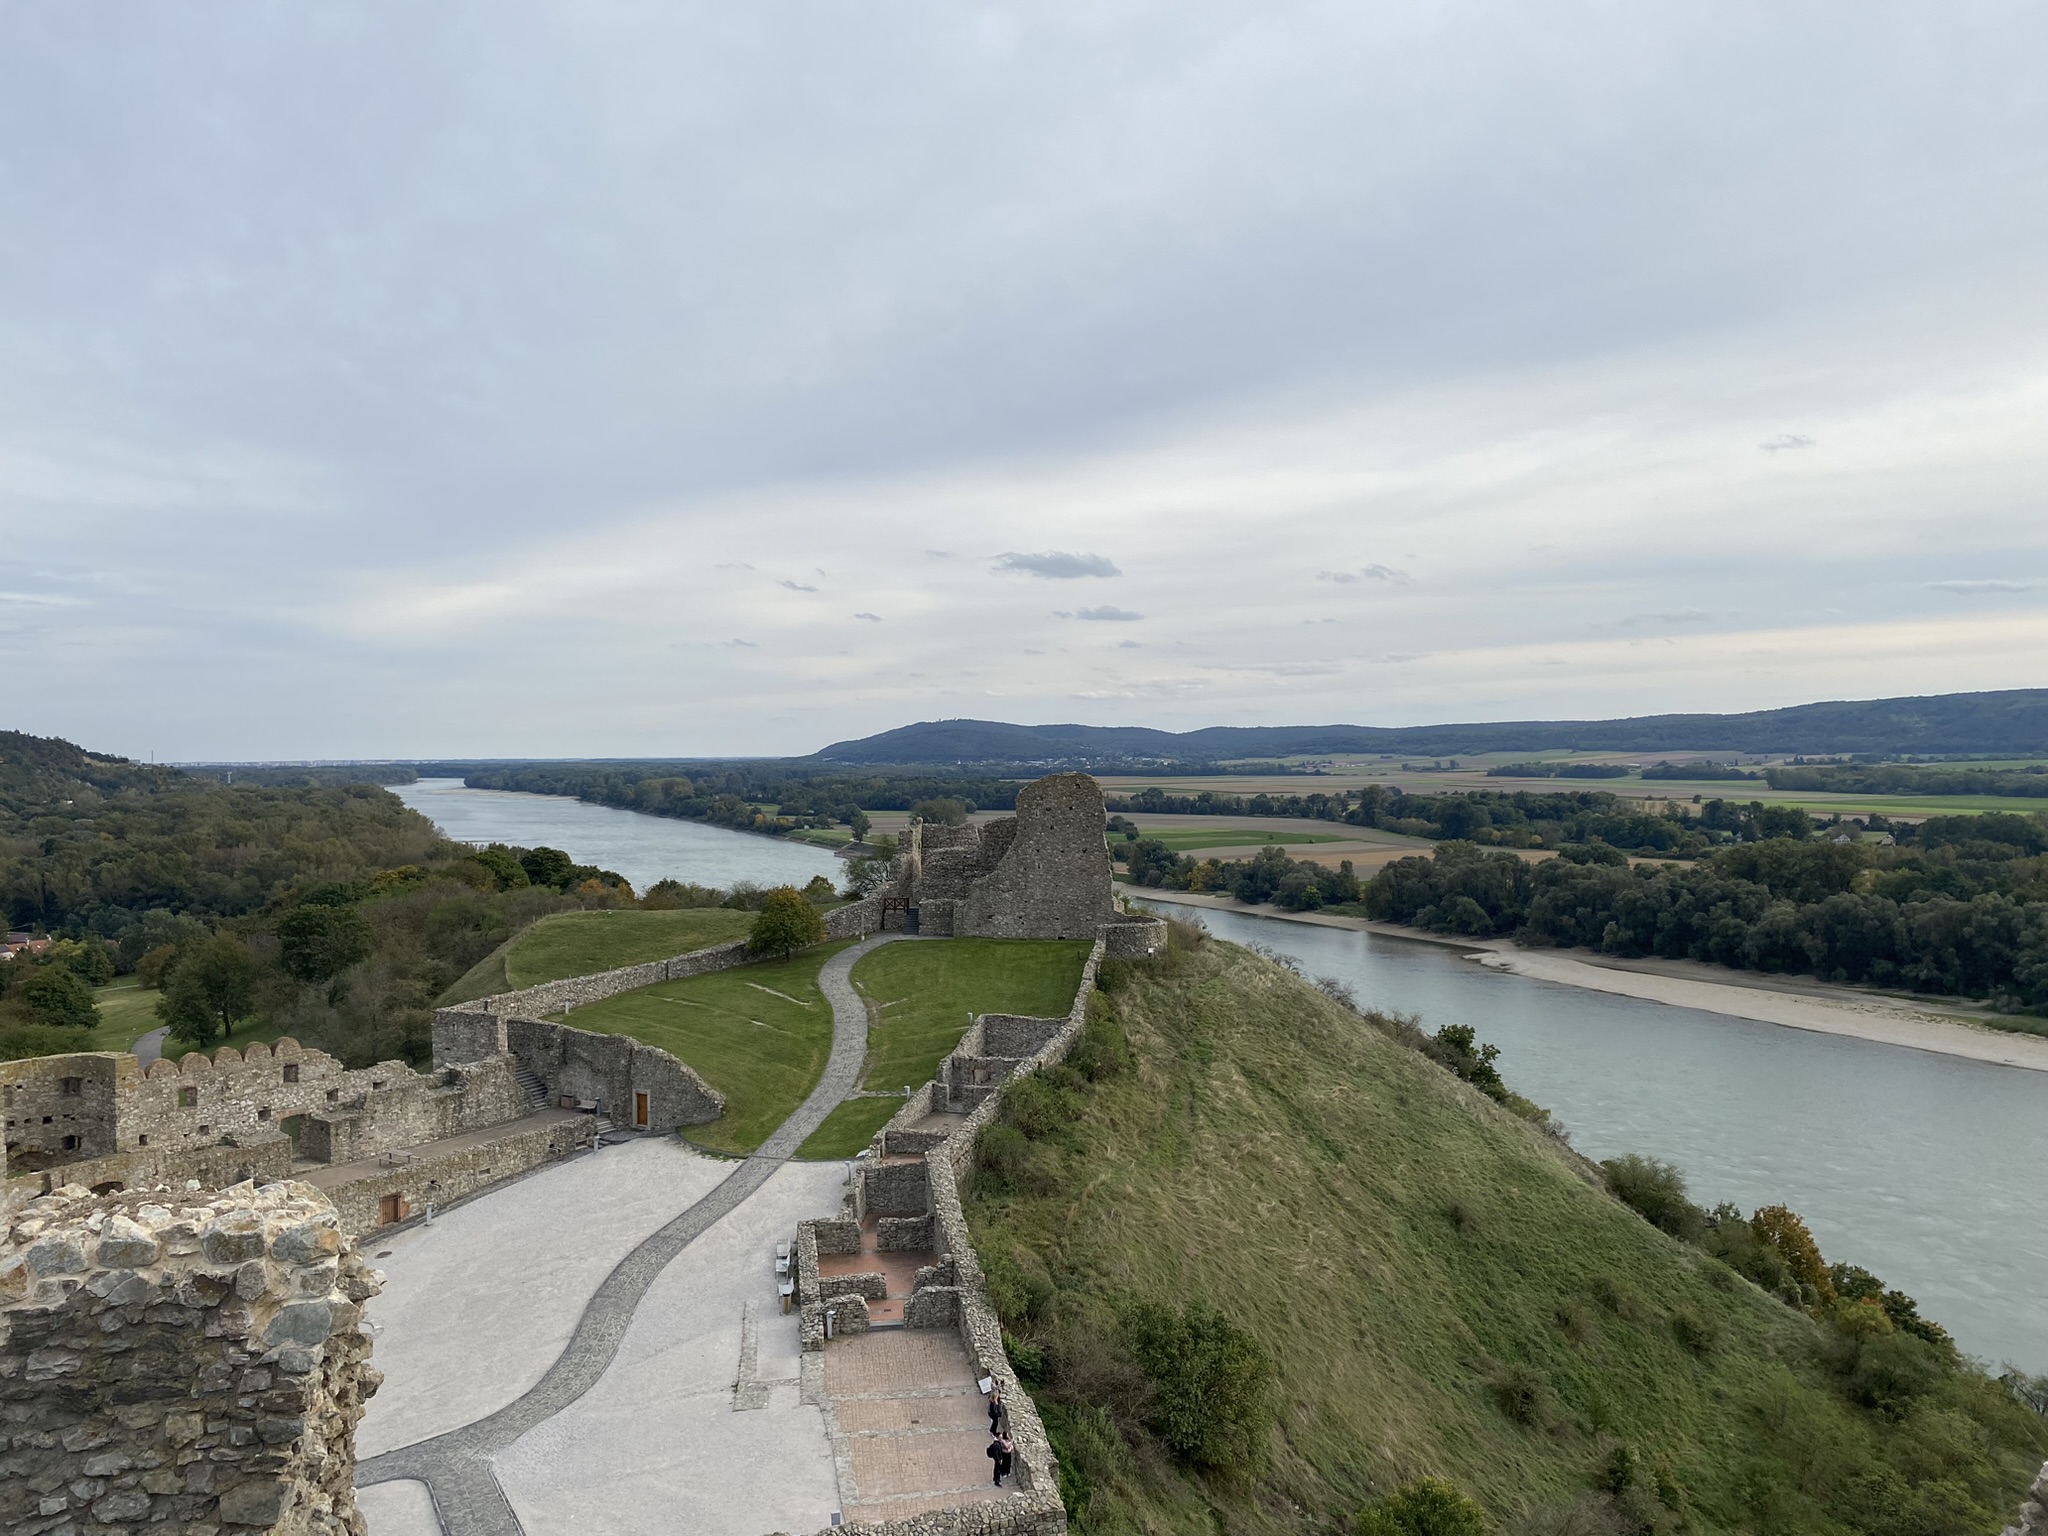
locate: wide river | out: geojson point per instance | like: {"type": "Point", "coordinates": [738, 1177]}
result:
{"type": "Point", "coordinates": [1930, 1170]}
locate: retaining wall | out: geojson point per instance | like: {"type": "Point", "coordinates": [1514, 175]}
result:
{"type": "Point", "coordinates": [359, 1194]}
{"type": "Point", "coordinates": [582, 1067]}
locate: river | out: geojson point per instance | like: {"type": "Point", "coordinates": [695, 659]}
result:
{"type": "Point", "coordinates": [642, 848]}
{"type": "Point", "coordinates": [1925, 1169]}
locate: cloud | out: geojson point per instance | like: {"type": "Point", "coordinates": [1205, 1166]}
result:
{"type": "Point", "coordinates": [742, 644]}
{"type": "Point", "coordinates": [1056, 565]}
{"type": "Point", "coordinates": [41, 600]}
{"type": "Point", "coordinates": [1394, 658]}
{"type": "Point", "coordinates": [872, 618]}
{"type": "Point", "coordinates": [1130, 645]}
{"type": "Point", "coordinates": [797, 586]}
{"type": "Point", "coordinates": [1789, 440]}
{"type": "Point", "coordinates": [1974, 588]}
{"type": "Point", "coordinates": [1366, 573]}
{"type": "Point", "coordinates": [1674, 616]}
{"type": "Point", "coordinates": [1106, 614]}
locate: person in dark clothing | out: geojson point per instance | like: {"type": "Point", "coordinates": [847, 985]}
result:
{"type": "Point", "coordinates": [995, 1411]}
{"type": "Point", "coordinates": [1003, 1454]}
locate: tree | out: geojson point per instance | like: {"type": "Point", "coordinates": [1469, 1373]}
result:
{"type": "Point", "coordinates": [188, 1018]}
{"type": "Point", "coordinates": [947, 812]}
{"type": "Point", "coordinates": [786, 924]}
{"type": "Point", "coordinates": [860, 824]}
{"type": "Point", "coordinates": [819, 889]}
{"type": "Point", "coordinates": [1212, 1384]}
{"type": "Point", "coordinates": [218, 977]}
{"type": "Point", "coordinates": [55, 995]}
{"type": "Point", "coordinates": [1429, 1506]}
{"type": "Point", "coordinates": [316, 943]}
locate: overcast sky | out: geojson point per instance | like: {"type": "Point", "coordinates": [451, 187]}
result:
{"type": "Point", "coordinates": [596, 379]}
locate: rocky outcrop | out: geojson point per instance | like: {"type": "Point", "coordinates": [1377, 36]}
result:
{"type": "Point", "coordinates": [2034, 1512]}
{"type": "Point", "coordinates": [181, 1362]}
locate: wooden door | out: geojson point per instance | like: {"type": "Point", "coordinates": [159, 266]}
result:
{"type": "Point", "coordinates": [640, 1111]}
{"type": "Point", "coordinates": [391, 1208]}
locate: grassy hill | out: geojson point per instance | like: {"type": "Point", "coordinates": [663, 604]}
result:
{"type": "Point", "coordinates": [580, 943]}
{"type": "Point", "coordinates": [1442, 1288]}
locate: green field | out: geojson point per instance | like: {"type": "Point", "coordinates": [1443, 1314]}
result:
{"type": "Point", "coordinates": [760, 1035]}
{"type": "Point", "coordinates": [1229, 835]}
{"type": "Point", "coordinates": [923, 994]}
{"type": "Point", "coordinates": [848, 1128]}
{"type": "Point", "coordinates": [1441, 1290]}
{"type": "Point", "coordinates": [824, 837]}
{"type": "Point", "coordinates": [580, 943]}
{"type": "Point", "coordinates": [127, 1012]}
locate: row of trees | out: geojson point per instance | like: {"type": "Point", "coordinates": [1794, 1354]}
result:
{"type": "Point", "coordinates": [734, 795]}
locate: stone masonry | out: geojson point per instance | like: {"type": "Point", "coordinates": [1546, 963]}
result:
{"type": "Point", "coordinates": [181, 1362]}
{"type": "Point", "coordinates": [1040, 874]}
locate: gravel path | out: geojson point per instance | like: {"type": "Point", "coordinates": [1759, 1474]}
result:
{"type": "Point", "coordinates": [456, 1465]}
{"type": "Point", "coordinates": [149, 1047]}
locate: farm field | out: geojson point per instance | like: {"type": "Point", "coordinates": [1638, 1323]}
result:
{"type": "Point", "coordinates": [759, 1035]}
{"type": "Point", "coordinates": [578, 943]}
{"type": "Point", "coordinates": [1181, 839]}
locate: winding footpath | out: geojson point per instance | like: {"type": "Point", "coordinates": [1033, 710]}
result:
{"type": "Point", "coordinates": [456, 1466]}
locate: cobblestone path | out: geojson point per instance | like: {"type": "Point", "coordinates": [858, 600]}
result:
{"type": "Point", "coordinates": [455, 1466]}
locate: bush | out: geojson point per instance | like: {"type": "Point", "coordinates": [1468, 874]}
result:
{"type": "Point", "coordinates": [1037, 1106]}
{"type": "Point", "coordinates": [1522, 1395]}
{"type": "Point", "coordinates": [1429, 1506]}
{"type": "Point", "coordinates": [1213, 1384]}
{"type": "Point", "coordinates": [787, 923]}
{"type": "Point", "coordinates": [1698, 1334]}
{"type": "Point", "coordinates": [819, 889]}
{"type": "Point", "coordinates": [1019, 1285]}
{"type": "Point", "coordinates": [1103, 1049]}
{"type": "Point", "coordinates": [668, 895]}
{"type": "Point", "coordinates": [57, 999]}
{"type": "Point", "coordinates": [1006, 1160]}
{"type": "Point", "coordinates": [1656, 1192]}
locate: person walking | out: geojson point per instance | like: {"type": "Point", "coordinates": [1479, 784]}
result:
{"type": "Point", "coordinates": [1003, 1454]}
{"type": "Point", "coordinates": [995, 1410]}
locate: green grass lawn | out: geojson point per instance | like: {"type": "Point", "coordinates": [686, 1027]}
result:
{"type": "Point", "coordinates": [824, 837]}
{"type": "Point", "coordinates": [849, 1128]}
{"type": "Point", "coordinates": [579, 943]}
{"type": "Point", "coordinates": [760, 1035]}
{"type": "Point", "coordinates": [924, 993]}
{"type": "Point", "coordinates": [127, 1012]}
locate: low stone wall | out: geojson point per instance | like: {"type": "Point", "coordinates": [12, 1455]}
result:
{"type": "Point", "coordinates": [465, 1030]}
{"type": "Point", "coordinates": [902, 1234]}
{"type": "Point", "coordinates": [182, 1363]}
{"type": "Point", "coordinates": [900, 1189]}
{"type": "Point", "coordinates": [213, 1167]}
{"type": "Point", "coordinates": [416, 1182]}
{"type": "Point", "coordinates": [1013, 1036]}
{"type": "Point", "coordinates": [1131, 936]}
{"type": "Point", "coordinates": [872, 1286]}
{"type": "Point", "coordinates": [583, 1066]}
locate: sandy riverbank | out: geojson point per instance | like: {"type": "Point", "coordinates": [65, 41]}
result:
{"type": "Point", "coordinates": [1789, 1001]}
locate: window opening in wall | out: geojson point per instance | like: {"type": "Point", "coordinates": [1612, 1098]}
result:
{"type": "Point", "coordinates": [292, 1125]}
{"type": "Point", "coordinates": [291, 1072]}
{"type": "Point", "coordinates": [46, 1119]}
{"type": "Point", "coordinates": [334, 1095]}
{"type": "Point", "coordinates": [206, 1130]}
{"type": "Point", "coordinates": [70, 1143]}
{"type": "Point", "coordinates": [263, 1113]}
{"type": "Point", "coordinates": [142, 1141]}
{"type": "Point", "coordinates": [188, 1098]}
{"type": "Point", "coordinates": [73, 1086]}
{"type": "Point", "coordinates": [374, 1083]}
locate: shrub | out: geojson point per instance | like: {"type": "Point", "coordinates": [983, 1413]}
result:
{"type": "Point", "coordinates": [819, 889]}
{"type": "Point", "coordinates": [1656, 1192]}
{"type": "Point", "coordinates": [1213, 1384]}
{"type": "Point", "coordinates": [1036, 1106]}
{"type": "Point", "coordinates": [787, 923]}
{"type": "Point", "coordinates": [1090, 1450]}
{"type": "Point", "coordinates": [56, 998]}
{"type": "Point", "coordinates": [1522, 1395]}
{"type": "Point", "coordinates": [1007, 1161]}
{"type": "Point", "coordinates": [1019, 1285]}
{"type": "Point", "coordinates": [1103, 1049]}
{"type": "Point", "coordinates": [1429, 1506]}
{"type": "Point", "coordinates": [1698, 1334]}
{"type": "Point", "coordinates": [668, 895]}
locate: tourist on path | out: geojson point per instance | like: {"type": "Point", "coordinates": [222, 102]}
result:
{"type": "Point", "coordinates": [995, 1410]}
{"type": "Point", "coordinates": [1001, 1452]}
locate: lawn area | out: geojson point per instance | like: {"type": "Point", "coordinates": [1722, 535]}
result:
{"type": "Point", "coordinates": [127, 1012]}
{"type": "Point", "coordinates": [924, 993]}
{"type": "Point", "coordinates": [824, 837]}
{"type": "Point", "coordinates": [1180, 840]}
{"type": "Point", "coordinates": [759, 1034]}
{"type": "Point", "coordinates": [849, 1128]}
{"type": "Point", "coordinates": [579, 943]}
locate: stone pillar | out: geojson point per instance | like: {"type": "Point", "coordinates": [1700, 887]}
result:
{"type": "Point", "coordinates": [187, 1362]}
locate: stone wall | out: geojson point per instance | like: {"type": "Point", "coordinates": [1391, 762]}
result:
{"type": "Point", "coordinates": [214, 1167]}
{"type": "Point", "coordinates": [182, 1363]}
{"type": "Point", "coordinates": [579, 1066]}
{"type": "Point", "coordinates": [1052, 880]}
{"type": "Point", "coordinates": [467, 1026]}
{"type": "Point", "coordinates": [412, 1183]}
{"type": "Point", "coordinates": [1133, 936]}
{"type": "Point", "coordinates": [243, 1099]}
{"type": "Point", "coordinates": [2034, 1512]}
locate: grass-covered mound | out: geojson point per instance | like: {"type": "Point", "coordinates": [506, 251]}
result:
{"type": "Point", "coordinates": [1266, 1265]}
{"type": "Point", "coordinates": [582, 943]}
{"type": "Point", "coordinates": [759, 1034]}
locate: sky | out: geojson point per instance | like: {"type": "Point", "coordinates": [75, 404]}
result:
{"type": "Point", "coordinates": [596, 379]}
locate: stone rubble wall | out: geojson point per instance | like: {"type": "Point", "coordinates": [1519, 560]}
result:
{"type": "Point", "coordinates": [1133, 936]}
{"type": "Point", "coordinates": [181, 1362]}
{"type": "Point", "coordinates": [1053, 879]}
{"type": "Point", "coordinates": [451, 1176]}
{"type": "Point", "coordinates": [464, 1030]}
{"type": "Point", "coordinates": [581, 1066]}
{"type": "Point", "coordinates": [211, 1167]}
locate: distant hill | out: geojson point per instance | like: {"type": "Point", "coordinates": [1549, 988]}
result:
{"type": "Point", "coordinates": [44, 773]}
{"type": "Point", "coordinates": [2012, 721]}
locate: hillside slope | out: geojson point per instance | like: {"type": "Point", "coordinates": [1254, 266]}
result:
{"type": "Point", "coordinates": [2014, 720]}
{"type": "Point", "coordinates": [1443, 1289]}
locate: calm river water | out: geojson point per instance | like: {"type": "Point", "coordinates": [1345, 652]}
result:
{"type": "Point", "coordinates": [1929, 1170]}
{"type": "Point", "coordinates": [642, 848]}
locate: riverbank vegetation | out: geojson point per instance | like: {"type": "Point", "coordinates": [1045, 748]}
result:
{"type": "Point", "coordinates": [1263, 1266]}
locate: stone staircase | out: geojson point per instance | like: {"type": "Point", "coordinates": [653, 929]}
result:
{"type": "Point", "coordinates": [535, 1090]}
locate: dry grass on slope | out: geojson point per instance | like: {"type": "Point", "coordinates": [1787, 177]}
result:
{"type": "Point", "coordinates": [1439, 1286]}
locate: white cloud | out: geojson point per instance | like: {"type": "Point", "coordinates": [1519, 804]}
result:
{"type": "Point", "coordinates": [1973, 588]}
{"type": "Point", "coordinates": [1105, 614]}
{"type": "Point", "coordinates": [1787, 441]}
{"type": "Point", "coordinates": [1056, 565]}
